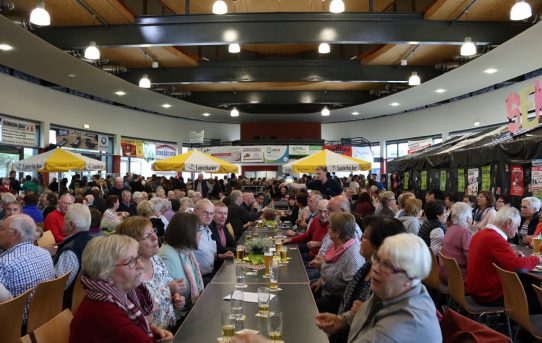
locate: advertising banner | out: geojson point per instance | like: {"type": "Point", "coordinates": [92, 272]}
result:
{"type": "Point", "coordinates": [406, 179]}
{"type": "Point", "coordinates": [516, 177]}
{"type": "Point", "coordinates": [149, 151]}
{"type": "Point", "coordinates": [460, 180]}
{"type": "Point", "coordinates": [77, 139]}
{"type": "Point", "coordinates": [486, 178]}
{"type": "Point", "coordinates": [414, 146]}
{"type": "Point", "coordinates": [423, 180]}
{"type": "Point", "coordinates": [196, 136]}
{"type": "Point", "coordinates": [17, 132]}
{"type": "Point", "coordinates": [103, 143]}
{"type": "Point", "coordinates": [131, 147]}
{"type": "Point", "coordinates": [276, 153]}
{"type": "Point", "coordinates": [252, 154]}
{"type": "Point", "coordinates": [536, 178]}
{"type": "Point", "coordinates": [227, 153]}
{"type": "Point", "coordinates": [303, 150]}
{"type": "Point", "coordinates": [339, 149]}
{"type": "Point", "coordinates": [472, 181]}
{"type": "Point", "coordinates": [442, 180]}
{"type": "Point", "coordinates": [164, 150]}
{"type": "Point", "coordinates": [363, 153]}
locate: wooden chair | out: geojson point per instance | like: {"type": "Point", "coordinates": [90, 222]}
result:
{"type": "Point", "coordinates": [78, 293]}
{"type": "Point", "coordinates": [56, 330]}
{"type": "Point", "coordinates": [456, 288]}
{"type": "Point", "coordinates": [515, 304]}
{"type": "Point", "coordinates": [230, 230]}
{"type": "Point", "coordinates": [46, 302]}
{"type": "Point", "coordinates": [46, 240]}
{"type": "Point", "coordinates": [11, 317]}
{"type": "Point", "coordinates": [433, 280]}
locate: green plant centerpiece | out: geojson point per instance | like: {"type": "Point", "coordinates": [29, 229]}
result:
{"type": "Point", "coordinates": [256, 248]}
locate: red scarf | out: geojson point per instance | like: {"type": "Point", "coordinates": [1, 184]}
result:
{"type": "Point", "coordinates": [333, 253]}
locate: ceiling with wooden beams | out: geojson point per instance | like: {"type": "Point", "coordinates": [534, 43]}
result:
{"type": "Point", "coordinates": [262, 78]}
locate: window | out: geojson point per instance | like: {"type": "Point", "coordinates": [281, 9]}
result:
{"type": "Point", "coordinates": [403, 149]}
{"type": "Point", "coordinates": [391, 151]}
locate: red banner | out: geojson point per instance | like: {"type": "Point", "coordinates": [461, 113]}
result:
{"type": "Point", "coordinates": [516, 187]}
{"type": "Point", "coordinates": [339, 149]}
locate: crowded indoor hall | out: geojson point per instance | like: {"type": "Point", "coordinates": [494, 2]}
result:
{"type": "Point", "coordinates": [258, 171]}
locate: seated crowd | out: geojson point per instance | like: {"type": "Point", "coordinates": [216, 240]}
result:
{"type": "Point", "coordinates": [144, 250]}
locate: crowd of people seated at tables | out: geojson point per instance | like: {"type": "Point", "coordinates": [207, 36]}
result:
{"type": "Point", "coordinates": [145, 249]}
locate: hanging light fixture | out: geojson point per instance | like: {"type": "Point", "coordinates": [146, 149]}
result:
{"type": "Point", "coordinates": [220, 7]}
{"type": "Point", "coordinates": [144, 82]}
{"type": "Point", "coordinates": [234, 48]}
{"type": "Point", "coordinates": [336, 6]}
{"type": "Point", "coordinates": [234, 112]}
{"type": "Point", "coordinates": [324, 48]}
{"type": "Point", "coordinates": [92, 52]}
{"type": "Point", "coordinates": [521, 10]}
{"type": "Point", "coordinates": [468, 48]}
{"type": "Point", "coordinates": [40, 16]}
{"type": "Point", "coordinates": [414, 79]}
{"type": "Point", "coordinates": [325, 112]}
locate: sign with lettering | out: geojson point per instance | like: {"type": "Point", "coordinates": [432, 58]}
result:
{"type": "Point", "coordinates": [252, 154]}
{"type": "Point", "coordinates": [165, 151]}
{"type": "Point", "coordinates": [18, 132]}
{"type": "Point", "coordinates": [275, 153]}
{"type": "Point", "coordinates": [520, 104]}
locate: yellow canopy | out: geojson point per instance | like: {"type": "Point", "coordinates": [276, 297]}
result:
{"type": "Point", "coordinates": [195, 161]}
{"type": "Point", "coordinates": [58, 160]}
{"type": "Point", "coordinates": [333, 161]}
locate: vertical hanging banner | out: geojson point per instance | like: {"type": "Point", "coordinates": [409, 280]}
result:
{"type": "Point", "coordinates": [406, 179]}
{"type": "Point", "coordinates": [197, 136]}
{"type": "Point", "coordinates": [423, 180]}
{"type": "Point", "coordinates": [442, 180]}
{"type": "Point", "coordinates": [472, 181]}
{"type": "Point", "coordinates": [131, 147]}
{"type": "Point", "coordinates": [516, 177]}
{"type": "Point", "coordinates": [536, 178]}
{"type": "Point", "coordinates": [164, 150]}
{"type": "Point", "coordinates": [486, 178]}
{"type": "Point", "coordinates": [460, 180]}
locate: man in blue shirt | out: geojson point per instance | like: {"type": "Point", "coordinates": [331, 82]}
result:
{"type": "Point", "coordinates": [206, 253]}
{"type": "Point", "coordinates": [322, 183]}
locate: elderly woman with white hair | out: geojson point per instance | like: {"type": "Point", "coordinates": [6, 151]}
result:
{"type": "Point", "coordinates": [187, 205]}
{"type": "Point", "coordinates": [400, 309]}
{"type": "Point", "coordinates": [159, 209]}
{"type": "Point", "coordinates": [147, 210]}
{"type": "Point", "coordinates": [456, 242]}
{"type": "Point", "coordinates": [388, 204]}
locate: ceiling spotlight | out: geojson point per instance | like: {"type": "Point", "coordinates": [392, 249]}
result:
{"type": "Point", "coordinates": [490, 71]}
{"type": "Point", "coordinates": [440, 90]}
{"type": "Point", "coordinates": [404, 63]}
{"type": "Point", "coordinates": [71, 75]}
{"type": "Point", "coordinates": [234, 48]}
{"type": "Point", "coordinates": [336, 6]}
{"type": "Point", "coordinates": [234, 112]}
{"type": "Point", "coordinates": [521, 10]}
{"type": "Point", "coordinates": [206, 114]}
{"type": "Point", "coordinates": [86, 126]}
{"type": "Point", "coordinates": [468, 48]}
{"type": "Point", "coordinates": [220, 7]}
{"type": "Point", "coordinates": [324, 48]}
{"type": "Point", "coordinates": [355, 113]}
{"type": "Point", "coordinates": [325, 112]}
{"type": "Point", "coordinates": [155, 64]}
{"type": "Point", "coordinates": [6, 47]}
{"type": "Point", "coordinates": [414, 79]}
{"type": "Point", "coordinates": [40, 16]}
{"type": "Point", "coordinates": [144, 82]}
{"type": "Point", "coordinates": [120, 93]}
{"type": "Point", "coordinates": [92, 52]}
{"type": "Point", "coordinates": [476, 123]}
{"type": "Point", "coordinates": [394, 104]}
{"type": "Point", "coordinates": [166, 105]}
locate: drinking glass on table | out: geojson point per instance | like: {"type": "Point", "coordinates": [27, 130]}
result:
{"type": "Point", "coordinates": [239, 253]}
{"type": "Point", "coordinates": [274, 326]}
{"type": "Point", "coordinates": [263, 301]}
{"type": "Point", "coordinates": [238, 307]}
{"type": "Point", "coordinates": [267, 257]}
{"type": "Point", "coordinates": [536, 244]}
{"type": "Point", "coordinates": [228, 327]}
{"type": "Point", "coordinates": [240, 275]}
{"type": "Point", "coordinates": [274, 276]}
{"type": "Point", "coordinates": [284, 254]}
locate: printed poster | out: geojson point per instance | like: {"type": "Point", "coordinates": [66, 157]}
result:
{"type": "Point", "coordinates": [131, 147]}
{"type": "Point", "coordinates": [197, 136]}
{"type": "Point", "coordinates": [423, 180]}
{"type": "Point", "coordinates": [472, 181]}
{"type": "Point", "coordinates": [252, 154]}
{"type": "Point", "coordinates": [339, 149]}
{"type": "Point", "coordinates": [536, 178]}
{"type": "Point", "coordinates": [442, 180]}
{"type": "Point", "coordinates": [486, 178]}
{"type": "Point", "coordinates": [414, 146]}
{"type": "Point", "coordinates": [460, 180]}
{"type": "Point", "coordinates": [363, 153]}
{"type": "Point", "coordinates": [406, 179]}
{"type": "Point", "coordinates": [103, 143]}
{"type": "Point", "coordinates": [275, 153]}
{"type": "Point", "coordinates": [77, 139]}
{"type": "Point", "coordinates": [164, 150]}
{"type": "Point", "coordinates": [516, 177]}
{"type": "Point", "coordinates": [303, 150]}
{"type": "Point", "coordinates": [17, 132]}
{"type": "Point", "coordinates": [227, 153]}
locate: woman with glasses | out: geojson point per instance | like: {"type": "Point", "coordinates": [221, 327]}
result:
{"type": "Point", "coordinates": [181, 240]}
{"type": "Point", "coordinates": [116, 302]}
{"type": "Point", "coordinates": [165, 292]}
{"type": "Point", "coordinates": [400, 309]}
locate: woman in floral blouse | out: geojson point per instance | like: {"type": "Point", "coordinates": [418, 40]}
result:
{"type": "Point", "coordinates": [165, 291]}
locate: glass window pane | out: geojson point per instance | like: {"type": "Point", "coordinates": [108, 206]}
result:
{"type": "Point", "coordinates": [403, 149]}
{"type": "Point", "coordinates": [437, 140]}
{"type": "Point", "coordinates": [375, 149]}
{"type": "Point", "coordinates": [391, 151]}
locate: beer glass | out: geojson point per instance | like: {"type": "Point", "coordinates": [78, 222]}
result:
{"type": "Point", "coordinates": [274, 326]}
{"type": "Point", "coordinates": [228, 326]}
{"type": "Point", "coordinates": [268, 256]}
{"type": "Point", "coordinates": [278, 244]}
{"type": "Point", "coordinates": [239, 253]}
{"type": "Point", "coordinates": [274, 276]}
{"type": "Point", "coordinates": [284, 254]}
{"type": "Point", "coordinates": [536, 245]}
{"type": "Point", "coordinates": [263, 301]}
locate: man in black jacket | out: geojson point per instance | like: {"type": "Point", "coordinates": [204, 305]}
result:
{"type": "Point", "coordinates": [238, 216]}
{"type": "Point", "coordinates": [225, 244]}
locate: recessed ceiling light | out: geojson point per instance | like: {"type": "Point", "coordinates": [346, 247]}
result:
{"type": "Point", "coordinates": [395, 104]}
{"type": "Point", "coordinates": [6, 47]}
{"type": "Point", "coordinates": [355, 113]}
{"type": "Point", "coordinates": [71, 75]}
{"type": "Point", "coordinates": [440, 90]}
{"type": "Point", "coordinates": [120, 93]}
{"type": "Point", "coordinates": [413, 43]}
{"type": "Point", "coordinates": [476, 123]}
{"type": "Point", "coordinates": [490, 71]}
{"type": "Point", "coordinates": [86, 126]}
{"type": "Point", "coordinates": [166, 105]}
{"type": "Point", "coordinates": [206, 114]}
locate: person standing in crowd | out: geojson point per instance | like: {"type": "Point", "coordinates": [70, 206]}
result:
{"type": "Point", "coordinates": [202, 186]}
{"type": "Point", "coordinates": [54, 221]}
{"type": "Point", "coordinates": [322, 183]}
{"type": "Point", "coordinates": [14, 184]}
{"type": "Point", "coordinates": [118, 188]}
{"type": "Point", "coordinates": [29, 185]}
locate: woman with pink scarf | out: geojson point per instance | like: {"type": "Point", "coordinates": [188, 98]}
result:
{"type": "Point", "coordinates": [341, 262]}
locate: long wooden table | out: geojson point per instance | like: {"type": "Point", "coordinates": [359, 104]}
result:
{"type": "Point", "coordinates": [295, 301]}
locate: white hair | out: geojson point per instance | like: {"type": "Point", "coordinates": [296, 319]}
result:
{"type": "Point", "coordinates": [24, 225]}
{"type": "Point", "coordinates": [461, 212]}
{"type": "Point", "coordinates": [202, 202]}
{"type": "Point", "coordinates": [534, 202]}
{"type": "Point", "coordinates": [137, 195]}
{"type": "Point", "coordinates": [507, 213]}
{"type": "Point", "coordinates": [167, 204]}
{"type": "Point", "coordinates": [157, 204]}
{"type": "Point", "coordinates": [410, 253]}
{"type": "Point", "coordinates": [79, 215]}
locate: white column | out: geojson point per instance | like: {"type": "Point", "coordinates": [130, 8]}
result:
{"type": "Point", "coordinates": [45, 126]}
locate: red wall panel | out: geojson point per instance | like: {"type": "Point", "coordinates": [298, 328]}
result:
{"type": "Point", "coordinates": [283, 130]}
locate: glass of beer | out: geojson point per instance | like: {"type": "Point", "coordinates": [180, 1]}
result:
{"type": "Point", "coordinates": [268, 256]}
{"type": "Point", "coordinates": [274, 276]}
{"type": "Point", "coordinates": [228, 326]}
{"type": "Point", "coordinates": [263, 301]}
{"type": "Point", "coordinates": [240, 253]}
{"type": "Point", "coordinates": [536, 244]}
{"type": "Point", "coordinates": [278, 244]}
{"type": "Point", "coordinates": [274, 326]}
{"type": "Point", "coordinates": [248, 236]}
{"type": "Point", "coordinates": [284, 254]}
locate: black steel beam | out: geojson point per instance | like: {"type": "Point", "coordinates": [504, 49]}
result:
{"type": "Point", "coordinates": [281, 28]}
{"type": "Point", "coordinates": [278, 71]}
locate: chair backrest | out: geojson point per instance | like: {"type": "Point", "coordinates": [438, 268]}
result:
{"type": "Point", "coordinates": [456, 285]}
{"type": "Point", "coordinates": [11, 317]}
{"type": "Point", "coordinates": [230, 230]}
{"type": "Point", "coordinates": [47, 239]}
{"type": "Point", "coordinates": [432, 280]}
{"type": "Point", "coordinates": [56, 330]}
{"type": "Point", "coordinates": [515, 300]}
{"type": "Point", "coordinates": [78, 293]}
{"type": "Point", "coordinates": [46, 302]}
{"type": "Point", "coordinates": [538, 292]}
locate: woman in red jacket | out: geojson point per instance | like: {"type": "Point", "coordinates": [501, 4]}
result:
{"type": "Point", "coordinates": [116, 302]}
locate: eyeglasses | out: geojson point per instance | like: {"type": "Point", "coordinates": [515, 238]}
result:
{"type": "Point", "coordinates": [148, 235]}
{"type": "Point", "coordinates": [385, 265]}
{"type": "Point", "coordinates": [132, 262]}
{"type": "Point", "coordinates": [323, 211]}
{"type": "Point", "coordinates": [208, 213]}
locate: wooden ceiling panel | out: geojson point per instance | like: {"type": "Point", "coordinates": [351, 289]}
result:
{"type": "Point", "coordinates": [279, 49]}
{"type": "Point", "coordinates": [482, 10]}
{"type": "Point", "coordinates": [135, 58]}
{"type": "Point", "coordinates": [285, 86]}
{"type": "Point", "coordinates": [432, 54]}
{"type": "Point", "coordinates": [388, 54]}
{"type": "Point", "coordinates": [62, 12]}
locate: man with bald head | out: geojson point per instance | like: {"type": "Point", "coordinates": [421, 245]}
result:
{"type": "Point", "coordinates": [316, 232]}
{"type": "Point", "coordinates": [55, 220]}
{"type": "Point", "coordinates": [119, 187]}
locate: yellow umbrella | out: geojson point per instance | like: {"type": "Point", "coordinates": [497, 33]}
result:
{"type": "Point", "coordinates": [333, 161]}
{"type": "Point", "coordinates": [58, 160]}
{"type": "Point", "coordinates": [195, 161]}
